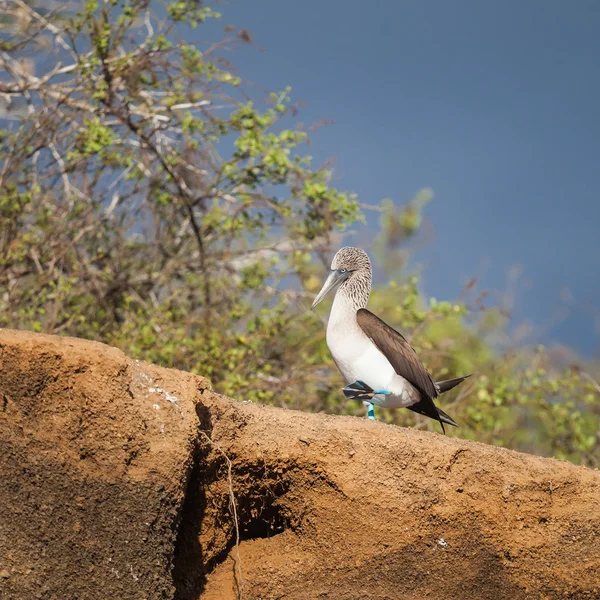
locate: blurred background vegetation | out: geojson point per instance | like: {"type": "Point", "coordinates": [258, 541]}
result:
{"type": "Point", "coordinates": [151, 199]}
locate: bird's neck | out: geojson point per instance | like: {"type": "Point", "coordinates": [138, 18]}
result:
{"type": "Point", "coordinates": [353, 294]}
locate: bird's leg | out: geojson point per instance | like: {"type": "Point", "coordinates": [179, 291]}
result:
{"type": "Point", "coordinates": [359, 390]}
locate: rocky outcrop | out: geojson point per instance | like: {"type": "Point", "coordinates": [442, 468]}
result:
{"type": "Point", "coordinates": [95, 453]}
{"type": "Point", "coordinates": [118, 476]}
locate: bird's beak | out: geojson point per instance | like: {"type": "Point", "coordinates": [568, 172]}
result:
{"type": "Point", "coordinates": [333, 280]}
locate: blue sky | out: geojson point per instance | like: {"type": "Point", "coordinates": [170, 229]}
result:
{"type": "Point", "coordinates": [495, 105]}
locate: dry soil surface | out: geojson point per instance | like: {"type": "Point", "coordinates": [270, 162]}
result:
{"type": "Point", "coordinates": [117, 482]}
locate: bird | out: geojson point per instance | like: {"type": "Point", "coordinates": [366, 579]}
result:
{"type": "Point", "coordinates": [379, 365]}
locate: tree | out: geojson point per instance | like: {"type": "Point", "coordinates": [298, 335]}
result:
{"type": "Point", "coordinates": [150, 200]}
{"type": "Point", "coordinates": [126, 214]}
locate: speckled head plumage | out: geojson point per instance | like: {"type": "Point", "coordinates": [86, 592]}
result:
{"type": "Point", "coordinates": [351, 259]}
{"type": "Point", "coordinates": [351, 272]}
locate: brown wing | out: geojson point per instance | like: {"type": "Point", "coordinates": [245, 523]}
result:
{"type": "Point", "coordinates": [399, 352]}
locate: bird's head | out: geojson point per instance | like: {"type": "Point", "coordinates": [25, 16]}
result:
{"type": "Point", "coordinates": [347, 264]}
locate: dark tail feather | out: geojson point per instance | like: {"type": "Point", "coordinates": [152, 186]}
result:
{"type": "Point", "coordinates": [429, 409]}
{"type": "Point", "coordinates": [444, 418]}
{"type": "Point", "coordinates": [444, 386]}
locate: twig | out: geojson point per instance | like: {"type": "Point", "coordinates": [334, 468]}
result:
{"type": "Point", "coordinates": [52, 28]}
{"type": "Point", "coordinates": [591, 380]}
{"type": "Point", "coordinates": [233, 507]}
{"type": "Point", "coordinates": [63, 173]}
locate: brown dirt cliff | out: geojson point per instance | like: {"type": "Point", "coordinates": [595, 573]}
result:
{"type": "Point", "coordinates": [116, 481]}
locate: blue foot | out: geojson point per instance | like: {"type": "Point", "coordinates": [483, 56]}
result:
{"type": "Point", "coordinates": [359, 390]}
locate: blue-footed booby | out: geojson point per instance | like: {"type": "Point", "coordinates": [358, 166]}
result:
{"type": "Point", "coordinates": [376, 361]}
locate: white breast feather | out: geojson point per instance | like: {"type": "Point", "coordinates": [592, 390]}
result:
{"type": "Point", "coordinates": [358, 359]}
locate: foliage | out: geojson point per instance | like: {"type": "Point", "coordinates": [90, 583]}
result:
{"type": "Point", "coordinates": [149, 201]}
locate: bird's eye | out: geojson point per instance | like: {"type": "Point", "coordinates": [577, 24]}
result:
{"type": "Point", "coordinates": [343, 270]}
